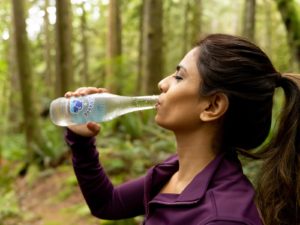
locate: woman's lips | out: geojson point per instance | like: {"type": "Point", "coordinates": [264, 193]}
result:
{"type": "Point", "coordinates": [157, 105]}
{"type": "Point", "coordinates": [159, 101]}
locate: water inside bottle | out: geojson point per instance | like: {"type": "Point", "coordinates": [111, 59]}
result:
{"type": "Point", "coordinates": [97, 108]}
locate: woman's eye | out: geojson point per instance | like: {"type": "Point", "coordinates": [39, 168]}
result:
{"type": "Point", "coordinates": [178, 77]}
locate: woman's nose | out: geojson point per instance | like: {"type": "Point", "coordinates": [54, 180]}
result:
{"type": "Point", "coordinates": [162, 85]}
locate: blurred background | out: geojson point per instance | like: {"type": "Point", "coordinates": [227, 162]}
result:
{"type": "Point", "coordinates": [48, 47]}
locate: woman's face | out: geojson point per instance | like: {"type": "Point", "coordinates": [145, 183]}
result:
{"type": "Point", "coordinates": [180, 104]}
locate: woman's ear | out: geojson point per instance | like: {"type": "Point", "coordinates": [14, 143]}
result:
{"type": "Point", "coordinates": [217, 107]}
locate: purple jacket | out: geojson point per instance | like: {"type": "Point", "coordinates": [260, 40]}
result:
{"type": "Point", "coordinates": [219, 195]}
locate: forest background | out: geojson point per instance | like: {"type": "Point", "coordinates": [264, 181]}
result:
{"type": "Point", "coordinates": [49, 47]}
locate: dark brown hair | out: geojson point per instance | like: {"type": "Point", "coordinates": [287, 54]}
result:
{"type": "Point", "coordinates": [243, 72]}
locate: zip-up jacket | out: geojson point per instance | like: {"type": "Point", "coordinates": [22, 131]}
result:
{"type": "Point", "coordinates": [219, 195]}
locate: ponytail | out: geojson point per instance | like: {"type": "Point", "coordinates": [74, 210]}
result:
{"type": "Point", "coordinates": [278, 186]}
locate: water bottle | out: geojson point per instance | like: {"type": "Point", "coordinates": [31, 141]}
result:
{"type": "Point", "coordinates": [97, 107]}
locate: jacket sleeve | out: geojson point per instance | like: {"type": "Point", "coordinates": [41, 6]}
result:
{"type": "Point", "coordinates": [104, 200]}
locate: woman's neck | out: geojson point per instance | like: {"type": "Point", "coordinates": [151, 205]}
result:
{"type": "Point", "coordinates": [195, 151]}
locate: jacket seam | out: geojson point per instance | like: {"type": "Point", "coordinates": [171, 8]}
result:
{"type": "Point", "coordinates": [214, 204]}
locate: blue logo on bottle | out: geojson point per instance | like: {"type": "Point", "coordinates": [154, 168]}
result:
{"type": "Point", "coordinates": [76, 106]}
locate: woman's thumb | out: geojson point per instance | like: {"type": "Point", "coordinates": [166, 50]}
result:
{"type": "Point", "coordinates": [94, 127]}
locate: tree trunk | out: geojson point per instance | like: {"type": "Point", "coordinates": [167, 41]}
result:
{"type": "Point", "coordinates": [249, 19]}
{"type": "Point", "coordinates": [64, 47]}
{"type": "Point", "coordinates": [291, 20]}
{"type": "Point", "coordinates": [196, 21]}
{"type": "Point", "coordinates": [84, 46]}
{"type": "Point", "coordinates": [152, 45]}
{"type": "Point", "coordinates": [5, 87]}
{"type": "Point", "coordinates": [49, 73]}
{"type": "Point", "coordinates": [114, 50]}
{"type": "Point", "coordinates": [269, 24]}
{"type": "Point", "coordinates": [30, 115]}
{"type": "Point", "coordinates": [14, 99]}
{"type": "Point", "coordinates": [140, 56]}
{"type": "Point", "coordinates": [192, 24]}
{"type": "Point", "coordinates": [185, 33]}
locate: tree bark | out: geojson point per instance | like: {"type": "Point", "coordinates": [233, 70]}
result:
{"type": "Point", "coordinates": [84, 45]}
{"type": "Point", "coordinates": [249, 19]}
{"type": "Point", "coordinates": [139, 82]}
{"type": "Point", "coordinates": [114, 50]}
{"type": "Point", "coordinates": [196, 21]}
{"type": "Point", "coordinates": [152, 45]}
{"type": "Point", "coordinates": [14, 105]}
{"type": "Point", "coordinates": [185, 33]}
{"type": "Point", "coordinates": [291, 21]}
{"type": "Point", "coordinates": [49, 73]}
{"type": "Point", "coordinates": [192, 24]}
{"type": "Point", "coordinates": [30, 115]}
{"type": "Point", "coordinates": [64, 70]}
{"type": "Point", "coordinates": [269, 25]}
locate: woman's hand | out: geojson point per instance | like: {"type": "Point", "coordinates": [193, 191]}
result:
{"type": "Point", "coordinates": [90, 129]}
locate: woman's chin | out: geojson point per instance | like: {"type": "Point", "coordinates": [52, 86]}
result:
{"type": "Point", "coordinates": [161, 123]}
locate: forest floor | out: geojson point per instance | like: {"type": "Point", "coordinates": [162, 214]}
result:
{"type": "Point", "coordinates": [53, 198]}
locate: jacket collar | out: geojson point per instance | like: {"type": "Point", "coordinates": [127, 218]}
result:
{"type": "Point", "coordinates": [161, 173]}
{"type": "Point", "coordinates": [197, 188]}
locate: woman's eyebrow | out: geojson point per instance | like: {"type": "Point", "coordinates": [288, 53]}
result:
{"type": "Point", "coordinates": [178, 67]}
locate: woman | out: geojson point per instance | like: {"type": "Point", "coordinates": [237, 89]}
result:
{"type": "Point", "coordinates": [218, 103]}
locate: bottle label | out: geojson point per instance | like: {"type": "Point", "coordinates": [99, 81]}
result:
{"type": "Point", "coordinates": [90, 105]}
{"type": "Point", "coordinates": [76, 105]}
{"type": "Point", "coordinates": [84, 105]}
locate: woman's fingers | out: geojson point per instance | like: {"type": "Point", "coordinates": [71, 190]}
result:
{"type": "Point", "coordinates": [90, 129]}
{"type": "Point", "coordinates": [85, 91]}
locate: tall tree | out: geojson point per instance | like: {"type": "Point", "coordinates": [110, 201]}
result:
{"type": "Point", "coordinates": [49, 73]}
{"type": "Point", "coordinates": [114, 48]}
{"type": "Point", "coordinates": [196, 20]}
{"type": "Point", "coordinates": [291, 19]}
{"type": "Point", "coordinates": [30, 116]}
{"type": "Point", "coordinates": [152, 62]}
{"type": "Point", "coordinates": [185, 33]}
{"type": "Point", "coordinates": [64, 47]}
{"type": "Point", "coordinates": [84, 45]}
{"type": "Point", "coordinates": [268, 26]}
{"type": "Point", "coordinates": [140, 55]}
{"type": "Point", "coordinates": [249, 19]}
{"type": "Point", "coordinates": [192, 24]}
{"type": "Point", "coordinates": [5, 90]}
{"type": "Point", "coordinates": [14, 105]}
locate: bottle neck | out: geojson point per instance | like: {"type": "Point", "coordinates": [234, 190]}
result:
{"type": "Point", "coordinates": [145, 101]}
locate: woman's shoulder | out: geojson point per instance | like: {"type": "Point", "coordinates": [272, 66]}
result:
{"type": "Point", "coordinates": [232, 194]}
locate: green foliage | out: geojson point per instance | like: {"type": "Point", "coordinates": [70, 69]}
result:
{"type": "Point", "coordinates": [131, 125]}
{"type": "Point", "coordinates": [120, 222]}
{"type": "Point", "coordinates": [55, 147]}
{"type": "Point", "coordinates": [69, 184]}
{"type": "Point", "coordinates": [14, 149]}
{"type": "Point", "coordinates": [9, 207]}
{"type": "Point", "coordinates": [125, 156]}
